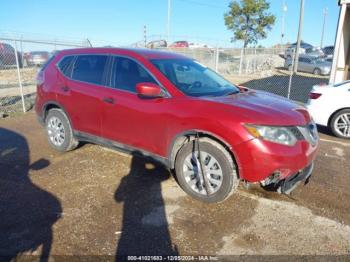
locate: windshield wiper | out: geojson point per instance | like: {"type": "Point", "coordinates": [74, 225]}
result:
{"type": "Point", "coordinates": [231, 93]}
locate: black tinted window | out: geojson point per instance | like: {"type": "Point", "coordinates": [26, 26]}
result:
{"type": "Point", "coordinates": [127, 73]}
{"type": "Point", "coordinates": [64, 65]}
{"type": "Point", "coordinates": [89, 68]}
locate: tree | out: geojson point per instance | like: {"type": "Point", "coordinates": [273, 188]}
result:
{"type": "Point", "coordinates": [249, 20]}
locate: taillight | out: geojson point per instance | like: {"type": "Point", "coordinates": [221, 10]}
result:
{"type": "Point", "coordinates": [40, 78]}
{"type": "Point", "coordinates": [314, 95]}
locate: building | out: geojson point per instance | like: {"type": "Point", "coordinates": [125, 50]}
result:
{"type": "Point", "coordinates": [341, 58]}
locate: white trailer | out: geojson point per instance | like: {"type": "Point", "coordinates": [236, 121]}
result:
{"type": "Point", "coordinates": [341, 58]}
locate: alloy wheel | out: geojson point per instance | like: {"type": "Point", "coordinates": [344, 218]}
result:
{"type": "Point", "coordinates": [342, 124]}
{"type": "Point", "coordinates": [193, 174]}
{"type": "Point", "coordinates": [55, 130]}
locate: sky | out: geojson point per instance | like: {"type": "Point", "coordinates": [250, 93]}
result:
{"type": "Point", "coordinates": [121, 22]}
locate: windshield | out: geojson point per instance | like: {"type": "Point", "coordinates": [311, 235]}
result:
{"type": "Point", "coordinates": [194, 79]}
{"type": "Point", "coordinates": [342, 83]}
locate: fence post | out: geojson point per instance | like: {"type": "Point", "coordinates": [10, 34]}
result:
{"type": "Point", "coordinates": [217, 59]}
{"type": "Point", "coordinates": [19, 77]}
{"type": "Point", "coordinates": [241, 62]}
{"type": "Point", "coordinates": [291, 75]}
{"type": "Point", "coordinates": [255, 58]}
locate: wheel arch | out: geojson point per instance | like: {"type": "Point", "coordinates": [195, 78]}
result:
{"type": "Point", "coordinates": [334, 113]}
{"type": "Point", "coordinates": [50, 105]}
{"type": "Point", "coordinates": [184, 137]}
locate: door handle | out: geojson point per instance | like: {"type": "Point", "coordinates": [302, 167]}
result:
{"type": "Point", "coordinates": [65, 88]}
{"type": "Point", "coordinates": [108, 100]}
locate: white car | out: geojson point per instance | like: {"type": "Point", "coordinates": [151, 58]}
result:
{"type": "Point", "coordinates": [329, 105]}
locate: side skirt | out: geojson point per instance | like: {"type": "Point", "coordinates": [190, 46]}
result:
{"type": "Point", "coordinates": [81, 136]}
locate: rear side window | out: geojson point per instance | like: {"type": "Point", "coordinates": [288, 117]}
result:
{"type": "Point", "coordinates": [89, 68]}
{"type": "Point", "coordinates": [127, 73]}
{"type": "Point", "coordinates": [65, 65]}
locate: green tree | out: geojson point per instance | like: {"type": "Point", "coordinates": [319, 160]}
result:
{"type": "Point", "coordinates": [249, 20]}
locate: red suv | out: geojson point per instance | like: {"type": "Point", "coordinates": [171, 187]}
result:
{"type": "Point", "coordinates": [179, 112]}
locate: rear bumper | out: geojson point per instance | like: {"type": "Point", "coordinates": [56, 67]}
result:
{"type": "Point", "coordinates": [318, 112]}
{"type": "Point", "coordinates": [258, 159]}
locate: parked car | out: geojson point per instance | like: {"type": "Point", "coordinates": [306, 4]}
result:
{"type": "Point", "coordinates": [305, 49]}
{"type": "Point", "coordinates": [157, 44]}
{"type": "Point", "coordinates": [198, 45]}
{"type": "Point", "coordinates": [329, 106]}
{"type": "Point", "coordinates": [181, 44]}
{"type": "Point", "coordinates": [328, 51]}
{"type": "Point", "coordinates": [181, 113]}
{"type": "Point", "coordinates": [8, 56]}
{"type": "Point", "coordinates": [36, 58]}
{"type": "Point", "coordinates": [316, 66]}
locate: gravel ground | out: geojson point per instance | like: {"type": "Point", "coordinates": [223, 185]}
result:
{"type": "Point", "coordinates": [95, 201]}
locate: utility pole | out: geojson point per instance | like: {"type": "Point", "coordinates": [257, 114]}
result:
{"type": "Point", "coordinates": [325, 13]}
{"type": "Point", "coordinates": [284, 10]}
{"type": "Point", "coordinates": [168, 23]}
{"type": "Point", "coordinates": [296, 54]}
{"type": "Point", "coordinates": [145, 35]}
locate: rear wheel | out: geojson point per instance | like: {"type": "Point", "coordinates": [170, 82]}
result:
{"type": "Point", "coordinates": [317, 71]}
{"type": "Point", "coordinates": [59, 131]}
{"type": "Point", "coordinates": [219, 168]}
{"type": "Point", "coordinates": [340, 124]}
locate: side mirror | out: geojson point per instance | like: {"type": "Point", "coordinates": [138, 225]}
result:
{"type": "Point", "coordinates": [149, 90]}
{"type": "Point", "coordinates": [242, 88]}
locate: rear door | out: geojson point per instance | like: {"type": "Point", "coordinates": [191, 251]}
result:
{"type": "Point", "coordinates": [302, 65]}
{"type": "Point", "coordinates": [79, 91]}
{"type": "Point", "coordinates": [309, 65]}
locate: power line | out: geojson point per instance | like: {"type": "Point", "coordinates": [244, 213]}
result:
{"type": "Point", "coordinates": [203, 4]}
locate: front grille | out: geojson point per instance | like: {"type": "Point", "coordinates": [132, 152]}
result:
{"type": "Point", "coordinates": [309, 133]}
{"type": "Point", "coordinates": [296, 132]}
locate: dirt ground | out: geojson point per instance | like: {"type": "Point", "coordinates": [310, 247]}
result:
{"type": "Point", "coordinates": [95, 201]}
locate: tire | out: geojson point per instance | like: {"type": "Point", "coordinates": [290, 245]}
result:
{"type": "Point", "coordinates": [337, 121]}
{"type": "Point", "coordinates": [55, 122]}
{"type": "Point", "coordinates": [317, 71]}
{"type": "Point", "coordinates": [228, 181]}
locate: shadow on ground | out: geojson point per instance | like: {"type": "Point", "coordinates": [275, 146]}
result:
{"type": "Point", "coordinates": [27, 212]}
{"type": "Point", "coordinates": [144, 223]}
{"type": "Point", "coordinates": [278, 84]}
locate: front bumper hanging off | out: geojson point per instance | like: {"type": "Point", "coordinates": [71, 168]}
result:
{"type": "Point", "coordinates": [287, 185]}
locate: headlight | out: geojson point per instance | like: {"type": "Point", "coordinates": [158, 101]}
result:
{"type": "Point", "coordinates": [276, 134]}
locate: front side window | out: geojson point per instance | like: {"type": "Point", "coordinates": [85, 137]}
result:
{"type": "Point", "coordinates": [90, 68]}
{"type": "Point", "coordinates": [127, 74]}
{"type": "Point", "coordinates": [194, 79]}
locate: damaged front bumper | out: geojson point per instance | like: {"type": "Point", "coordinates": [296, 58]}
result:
{"type": "Point", "coordinates": [288, 184]}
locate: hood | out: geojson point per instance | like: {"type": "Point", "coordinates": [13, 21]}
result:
{"type": "Point", "coordinates": [258, 107]}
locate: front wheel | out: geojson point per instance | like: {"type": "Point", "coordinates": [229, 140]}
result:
{"type": "Point", "coordinates": [219, 167]}
{"type": "Point", "coordinates": [340, 124]}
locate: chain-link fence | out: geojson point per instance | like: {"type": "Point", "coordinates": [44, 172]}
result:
{"type": "Point", "coordinates": [256, 68]}
{"type": "Point", "coordinates": [264, 69]}
{"type": "Point", "coordinates": [20, 60]}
